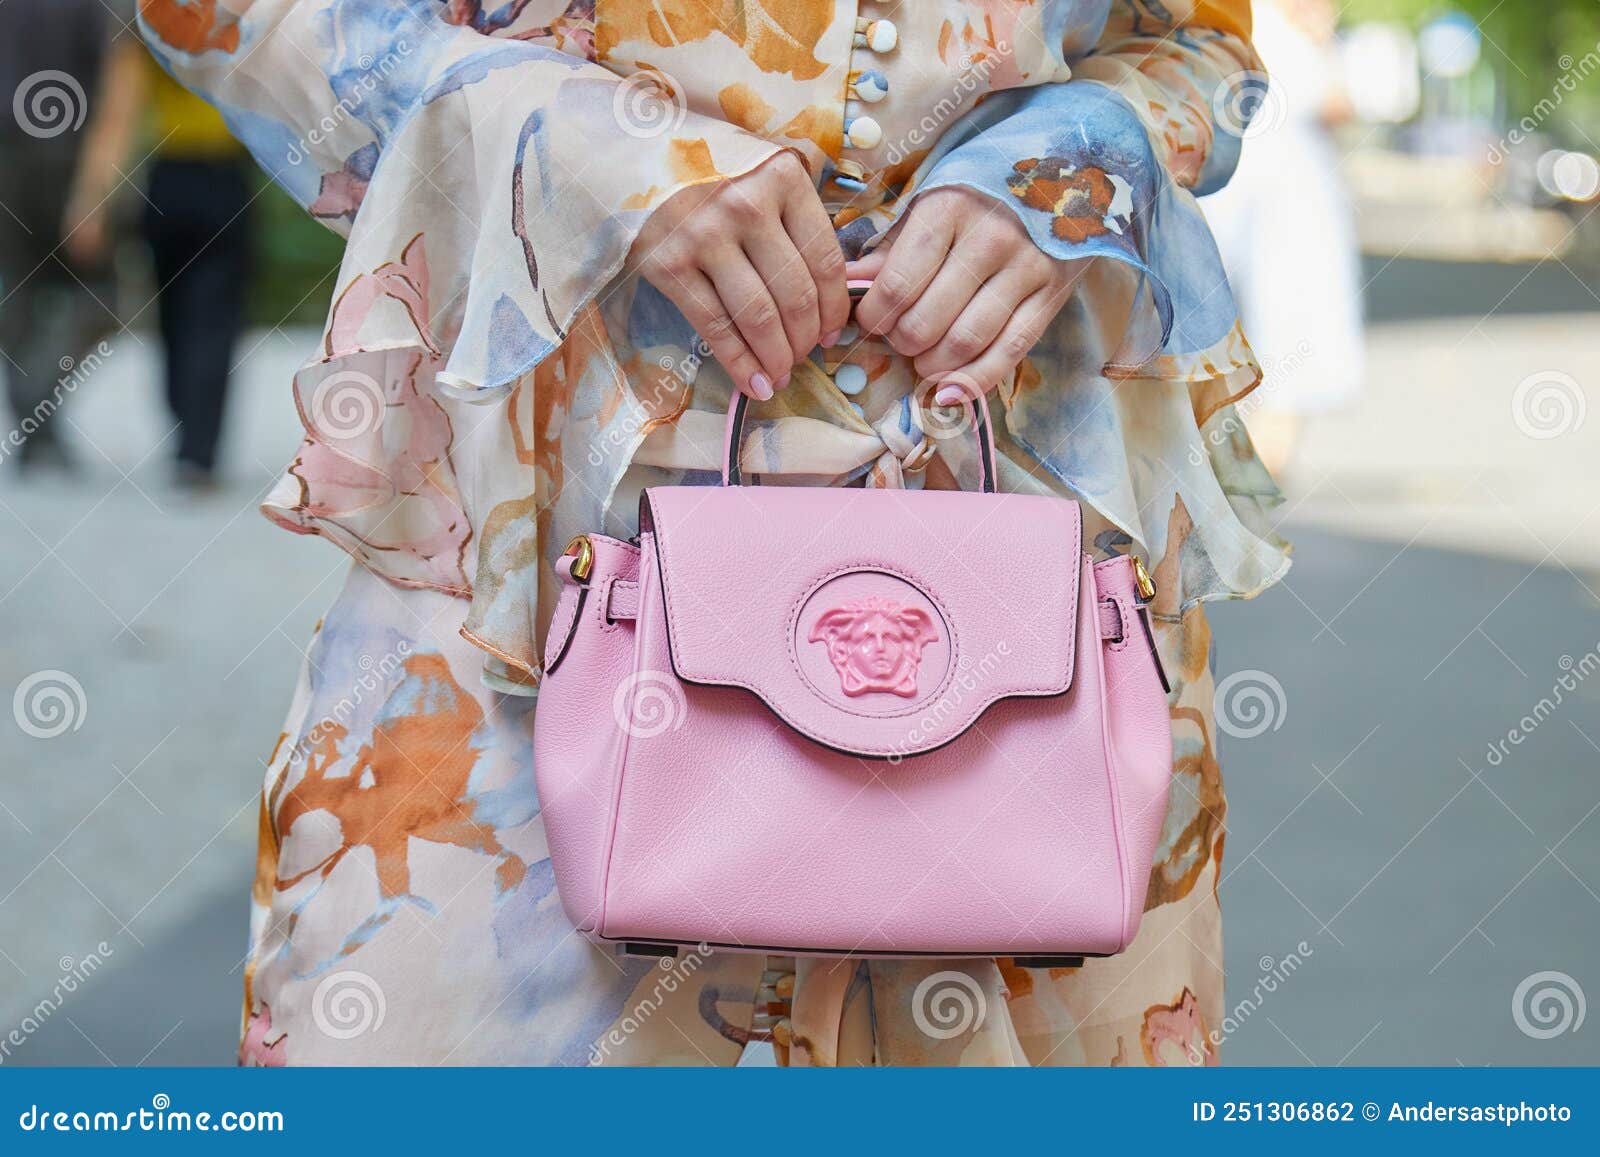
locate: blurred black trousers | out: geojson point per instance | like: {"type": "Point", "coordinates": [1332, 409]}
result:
{"type": "Point", "coordinates": [50, 311]}
{"type": "Point", "coordinates": [197, 223]}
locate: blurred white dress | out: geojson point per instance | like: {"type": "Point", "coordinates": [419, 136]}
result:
{"type": "Point", "coordinates": [1286, 229]}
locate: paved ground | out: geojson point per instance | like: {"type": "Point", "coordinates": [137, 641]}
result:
{"type": "Point", "coordinates": [1445, 581]}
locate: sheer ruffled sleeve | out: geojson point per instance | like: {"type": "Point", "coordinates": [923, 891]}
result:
{"type": "Point", "coordinates": [490, 187]}
{"type": "Point", "coordinates": [1105, 163]}
{"type": "Point", "coordinates": [1129, 397]}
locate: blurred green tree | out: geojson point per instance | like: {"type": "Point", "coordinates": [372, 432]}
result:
{"type": "Point", "coordinates": [296, 260]}
{"type": "Point", "coordinates": [1533, 45]}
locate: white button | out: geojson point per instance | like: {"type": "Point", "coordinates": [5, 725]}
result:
{"type": "Point", "coordinates": [851, 380]}
{"type": "Point", "coordinates": [860, 413]}
{"type": "Point", "coordinates": [871, 86]}
{"type": "Point", "coordinates": [882, 35]}
{"type": "Point", "coordinates": [863, 133]}
{"type": "Point", "coordinates": [848, 336]}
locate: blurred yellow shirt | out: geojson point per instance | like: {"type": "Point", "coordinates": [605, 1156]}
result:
{"type": "Point", "coordinates": [186, 128]}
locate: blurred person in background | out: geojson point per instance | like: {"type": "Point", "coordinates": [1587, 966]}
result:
{"type": "Point", "coordinates": [56, 265]}
{"type": "Point", "coordinates": [1287, 234]}
{"type": "Point", "coordinates": [197, 224]}
{"type": "Point", "coordinates": [57, 185]}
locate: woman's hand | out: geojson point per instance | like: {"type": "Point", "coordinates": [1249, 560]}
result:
{"type": "Point", "coordinates": [962, 290]}
{"type": "Point", "coordinates": [754, 266]}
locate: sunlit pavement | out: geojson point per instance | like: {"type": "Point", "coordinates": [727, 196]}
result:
{"type": "Point", "coordinates": [1445, 580]}
{"type": "Point", "coordinates": [1419, 806]}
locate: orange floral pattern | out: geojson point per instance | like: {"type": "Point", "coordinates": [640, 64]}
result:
{"type": "Point", "coordinates": [1078, 200]}
{"type": "Point", "coordinates": [190, 25]}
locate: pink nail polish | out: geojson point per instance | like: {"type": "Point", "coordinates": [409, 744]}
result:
{"type": "Point", "coordinates": [832, 339]}
{"type": "Point", "coordinates": [783, 382]}
{"type": "Point", "coordinates": [761, 387]}
{"type": "Point", "coordinates": [949, 396]}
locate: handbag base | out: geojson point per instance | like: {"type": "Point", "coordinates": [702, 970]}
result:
{"type": "Point", "coordinates": [636, 948]}
{"type": "Point", "coordinates": [670, 952]}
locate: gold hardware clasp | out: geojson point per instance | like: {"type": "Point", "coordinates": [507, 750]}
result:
{"type": "Point", "coordinates": [1141, 576]}
{"type": "Point", "coordinates": [583, 563]}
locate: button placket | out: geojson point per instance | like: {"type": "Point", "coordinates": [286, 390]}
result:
{"type": "Point", "coordinates": [861, 132]}
{"type": "Point", "coordinates": [868, 86]}
{"type": "Point", "coordinates": [879, 36]}
{"type": "Point", "coordinates": [851, 379]}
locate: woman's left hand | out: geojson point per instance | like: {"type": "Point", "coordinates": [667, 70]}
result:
{"type": "Point", "coordinates": [962, 290]}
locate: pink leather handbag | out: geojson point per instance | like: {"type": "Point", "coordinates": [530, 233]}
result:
{"type": "Point", "coordinates": [825, 721]}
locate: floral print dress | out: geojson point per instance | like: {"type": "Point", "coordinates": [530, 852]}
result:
{"type": "Point", "coordinates": [491, 381]}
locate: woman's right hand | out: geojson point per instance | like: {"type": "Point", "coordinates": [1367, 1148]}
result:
{"type": "Point", "coordinates": [753, 264]}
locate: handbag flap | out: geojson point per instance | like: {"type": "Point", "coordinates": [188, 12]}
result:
{"type": "Point", "coordinates": [882, 623]}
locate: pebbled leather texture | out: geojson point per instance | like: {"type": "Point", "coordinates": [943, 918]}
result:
{"type": "Point", "coordinates": [577, 747]}
{"type": "Point", "coordinates": [699, 786]}
{"type": "Point", "coordinates": [748, 575]}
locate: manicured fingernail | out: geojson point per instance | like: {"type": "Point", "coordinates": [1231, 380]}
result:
{"type": "Point", "coordinates": [949, 396]}
{"type": "Point", "coordinates": [783, 382]}
{"type": "Point", "coordinates": [761, 387]}
{"type": "Point", "coordinates": [832, 339]}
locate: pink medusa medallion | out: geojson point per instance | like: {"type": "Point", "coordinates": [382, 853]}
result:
{"type": "Point", "coordinates": [875, 644]}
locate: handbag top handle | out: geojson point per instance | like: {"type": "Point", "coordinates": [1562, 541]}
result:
{"type": "Point", "coordinates": [733, 439]}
